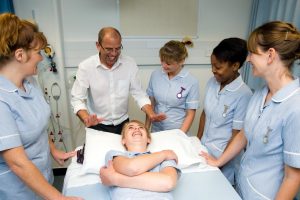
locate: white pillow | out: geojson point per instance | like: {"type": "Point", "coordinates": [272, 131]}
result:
{"type": "Point", "coordinates": [180, 143]}
{"type": "Point", "coordinates": [98, 143]}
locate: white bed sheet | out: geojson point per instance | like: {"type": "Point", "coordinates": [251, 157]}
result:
{"type": "Point", "coordinates": [74, 176]}
{"type": "Point", "coordinates": [200, 180]}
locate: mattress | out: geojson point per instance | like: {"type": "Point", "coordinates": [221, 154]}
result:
{"type": "Point", "coordinates": [196, 182]}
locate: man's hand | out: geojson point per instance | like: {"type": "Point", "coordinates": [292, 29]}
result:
{"type": "Point", "coordinates": [92, 120]}
{"type": "Point", "coordinates": [154, 117]}
{"type": "Point", "coordinates": [158, 117]}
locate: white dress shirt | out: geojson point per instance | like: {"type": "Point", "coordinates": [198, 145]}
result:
{"type": "Point", "coordinates": [105, 91]}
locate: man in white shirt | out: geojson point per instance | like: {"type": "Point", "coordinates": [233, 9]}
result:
{"type": "Point", "coordinates": [103, 82]}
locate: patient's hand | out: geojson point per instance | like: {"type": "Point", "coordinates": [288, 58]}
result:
{"type": "Point", "coordinates": [170, 155]}
{"type": "Point", "coordinates": [92, 120]}
{"type": "Point", "coordinates": [108, 175]}
{"type": "Point", "coordinates": [210, 159]}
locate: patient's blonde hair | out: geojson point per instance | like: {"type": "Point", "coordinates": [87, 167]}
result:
{"type": "Point", "coordinates": [124, 129]}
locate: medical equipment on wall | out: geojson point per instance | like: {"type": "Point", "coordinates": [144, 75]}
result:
{"type": "Point", "coordinates": [49, 52]}
{"type": "Point", "coordinates": [55, 130]}
{"type": "Point", "coordinates": [52, 94]}
{"type": "Point", "coordinates": [188, 41]}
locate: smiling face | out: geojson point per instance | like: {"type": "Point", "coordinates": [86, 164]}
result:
{"type": "Point", "coordinates": [172, 68]}
{"type": "Point", "coordinates": [172, 56]}
{"type": "Point", "coordinates": [29, 59]}
{"type": "Point", "coordinates": [34, 57]}
{"type": "Point", "coordinates": [259, 62]}
{"type": "Point", "coordinates": [224, 72]}
{"type": "Point", "coordinates": [135, 136]}
{"type": "Point", "coordinates": [110, 48]}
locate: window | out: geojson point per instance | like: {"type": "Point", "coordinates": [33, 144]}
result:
{"type": "Point", "coordinates": [158, 18]}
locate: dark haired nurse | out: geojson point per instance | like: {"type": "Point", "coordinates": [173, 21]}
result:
{"type": "Point", "coordinates": [225, 102]}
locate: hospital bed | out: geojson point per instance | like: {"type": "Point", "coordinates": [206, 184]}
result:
{"type": "Point", "coordinates": [197, 181]}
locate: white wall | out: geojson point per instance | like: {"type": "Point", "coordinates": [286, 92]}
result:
{"type": "Point", "coordinates": [71, 27]}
